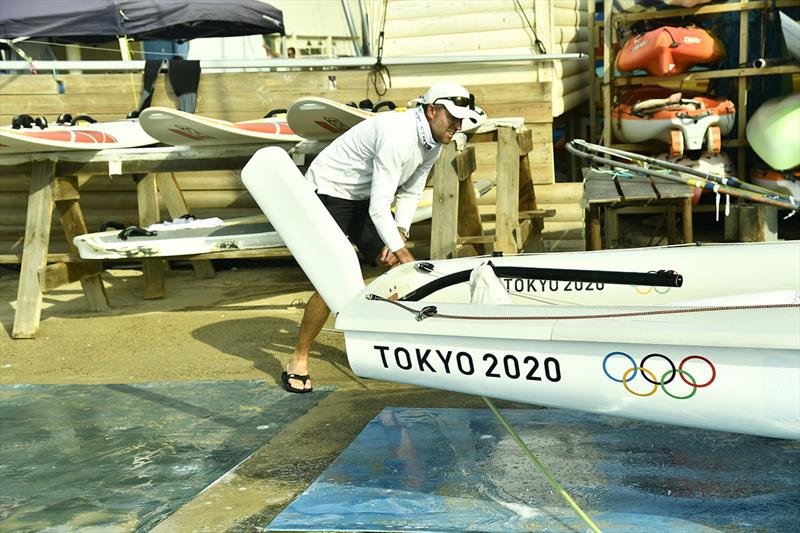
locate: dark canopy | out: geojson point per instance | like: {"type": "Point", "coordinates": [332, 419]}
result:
{"type": "Point", "coordinates": [87, 21]}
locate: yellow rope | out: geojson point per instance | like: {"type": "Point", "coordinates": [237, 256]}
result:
{"type": "Point", "coordinates": [550, 479]}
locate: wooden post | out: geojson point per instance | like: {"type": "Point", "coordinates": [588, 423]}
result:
{"type": "Point", "coordinates": [672, 233]}
{"type": "Point", "coordinates": [153, 269]}
{"type": "Point", "coordinates": [176, 206]}
{"type": "Point", "coordinates": [686, 220]}
{"type": "Point", "coordinates": [444, 223]}
{"type": "Point", "coordinates": [34, 253]}
{"type": "Point", "coordinates": [468, 218]}
{"type": "Point", "coordinates": [507, 229]}
{"type": "Point", "coordinates": [66, 196]}
{"type": "Point", "coordinates": [593, 222]}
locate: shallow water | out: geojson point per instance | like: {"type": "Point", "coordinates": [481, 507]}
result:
{"type": "Point", "coordinates": [124, 457]}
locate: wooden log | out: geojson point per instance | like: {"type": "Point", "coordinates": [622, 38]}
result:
{"type": "Point", "coordinates": [560, 193]}
{"type": "Point", "coordinates": [564, 245]}
{"type": "Point", "coordinates": [37, 237]}
{"type": "Point", "coordinates": [569, 17]}
{"type": "Point", "coordinates": [557, 230]}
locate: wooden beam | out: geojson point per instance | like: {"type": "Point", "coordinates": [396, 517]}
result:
{"type": "Point", "coordinates": [177, 207]}
{"type": "Point", "coordinates": [506, 231]}
{"type": "Point", "coordinates": [153, 269]}
{"type": "Point", "coordinates": [537, 213]}
{"type": "Point", "coordinates": [525, 141]}
{"type": "Point", "coordinates": [58, 274]}
{"type": "Point", "coordinates": [466, 163]}
{"type": "Point", "coordinates": [73, 223]}
{"type": "Point", "coordinates": [34, 255]}
{"type": "Point", "coordinates": [444, 223]}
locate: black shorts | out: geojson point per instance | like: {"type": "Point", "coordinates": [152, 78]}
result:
{"type": "Point", "coordinates": [353, 218]}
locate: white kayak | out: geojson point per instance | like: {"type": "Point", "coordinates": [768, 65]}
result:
{"type": "Point", "coordinates": [692, 362]}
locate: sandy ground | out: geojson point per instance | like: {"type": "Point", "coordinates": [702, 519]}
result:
{"type": "Point", "coordinates": [241, 325]}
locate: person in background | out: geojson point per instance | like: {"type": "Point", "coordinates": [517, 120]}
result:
{"type": "Point", "coordinates": [383, 160]}
{"type": "Point", "coordinates": [290, 52]}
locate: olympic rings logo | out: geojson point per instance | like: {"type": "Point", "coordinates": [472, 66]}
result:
{"type": "Point", "coordinates": [648, 289]}
{"type": "Point", "coordinates": [666, 378]}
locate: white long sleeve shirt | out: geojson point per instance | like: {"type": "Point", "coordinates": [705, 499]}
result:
{"type": "Point", "coordinates": [385, 158]}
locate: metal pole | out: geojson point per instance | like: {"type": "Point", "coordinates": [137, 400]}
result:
{"type": "Point", "coordinates": [365, 34]}
{"type": "Point", "coordinates": [351, 26]}
{"type": "Point", "coordinates": [269, 64]}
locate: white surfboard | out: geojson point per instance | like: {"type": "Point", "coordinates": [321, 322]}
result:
{"type": "Point", "coordinates": [322, 119]}
{"type": "Point", "coordinates": [171, 126]}
{"type": "Point", "coordinates": [245, 233]}
{"type": "Point", "coordinates": [98, 136]}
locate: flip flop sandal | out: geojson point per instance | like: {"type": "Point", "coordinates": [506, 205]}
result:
{"type": "Point", "coordinates": [285, 377]}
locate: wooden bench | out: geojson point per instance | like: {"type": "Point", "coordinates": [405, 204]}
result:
{"type": "Point", "coordinates": [54, 183]}
{"type": "Point", "coordinates": [609, 191]}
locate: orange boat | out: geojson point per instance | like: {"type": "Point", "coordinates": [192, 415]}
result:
{"type": "Point", "coordinates": [787, 182]}
{"type": "Point", "coordinates": [669, 50]}
{"type": "Point", "coordinates": [684, 121]}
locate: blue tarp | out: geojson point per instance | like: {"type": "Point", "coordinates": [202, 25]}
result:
{"type": "Point", "coordinates": [89, 21]}
{"type": "Point", "coordinates": [457, 470]}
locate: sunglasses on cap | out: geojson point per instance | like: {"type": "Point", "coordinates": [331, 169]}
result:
{"type": "Point", "coordinates": [460, 101]}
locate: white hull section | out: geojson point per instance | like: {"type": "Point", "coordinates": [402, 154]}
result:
{"type": "Point", "coordinates": [715, 385]}
{"type": "Point", "coordinates": [709, 271]}
{"type": "Point", "coordinates": [615, 349]}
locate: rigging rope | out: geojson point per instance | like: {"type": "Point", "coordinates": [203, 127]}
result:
{"type": "Point", "coordinates": [431, 311]}
{"type": "Point", "coordinates": [547, 475]}
{"type": "Point", "coordinates": [379, 74]}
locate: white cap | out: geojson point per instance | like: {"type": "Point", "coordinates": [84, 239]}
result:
{"type": "Point", "coordinates": [455, 98]}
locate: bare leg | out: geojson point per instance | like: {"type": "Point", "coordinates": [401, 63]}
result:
{"type": "Point", "coordinates": [314, 318]}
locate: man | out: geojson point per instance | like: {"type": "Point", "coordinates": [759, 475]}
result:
{"type": "Point", "coordinates": [383, 160]}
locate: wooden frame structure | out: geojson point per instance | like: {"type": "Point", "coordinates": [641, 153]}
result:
{"type": "Point", "coordinates": [457, 228]}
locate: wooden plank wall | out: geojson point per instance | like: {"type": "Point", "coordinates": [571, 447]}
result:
{"type": "Point", "coordinates": [469, 27]}
{"type": "Point", "coordinates": [231, 96]}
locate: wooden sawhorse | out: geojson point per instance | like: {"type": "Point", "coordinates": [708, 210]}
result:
{"type": "Point", "coordinates": [456, 228]}
{"type": "Point", "coordinates": [54, 183]}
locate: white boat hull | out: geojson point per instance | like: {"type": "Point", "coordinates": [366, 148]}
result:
{"type": "Point", "coordinates": [742, 362]}
{"type": "Point", "coordinates": [743, 389]}
{"type": "Point", "coordinates": [709, 271]}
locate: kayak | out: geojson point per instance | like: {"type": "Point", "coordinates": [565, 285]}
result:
{"type": "Point", "coordinates": [669, 50]}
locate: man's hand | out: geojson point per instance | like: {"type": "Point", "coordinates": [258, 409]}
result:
{"type": "Point", "coordinates": [388, 259]}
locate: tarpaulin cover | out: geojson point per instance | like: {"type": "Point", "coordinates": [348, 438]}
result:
{"type": "Point", "coordinates": [458, 470]}
{"type": "Point", "coordinates": [102, 20]}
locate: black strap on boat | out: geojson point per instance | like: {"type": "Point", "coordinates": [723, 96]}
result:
{"type": "Point", "coordinates": [662, 278]}
{"type": "Point", "coordinates": [135, 231]}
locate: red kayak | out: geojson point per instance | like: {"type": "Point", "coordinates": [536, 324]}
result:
{"type": "Point", "coordinates": [669, 50]}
